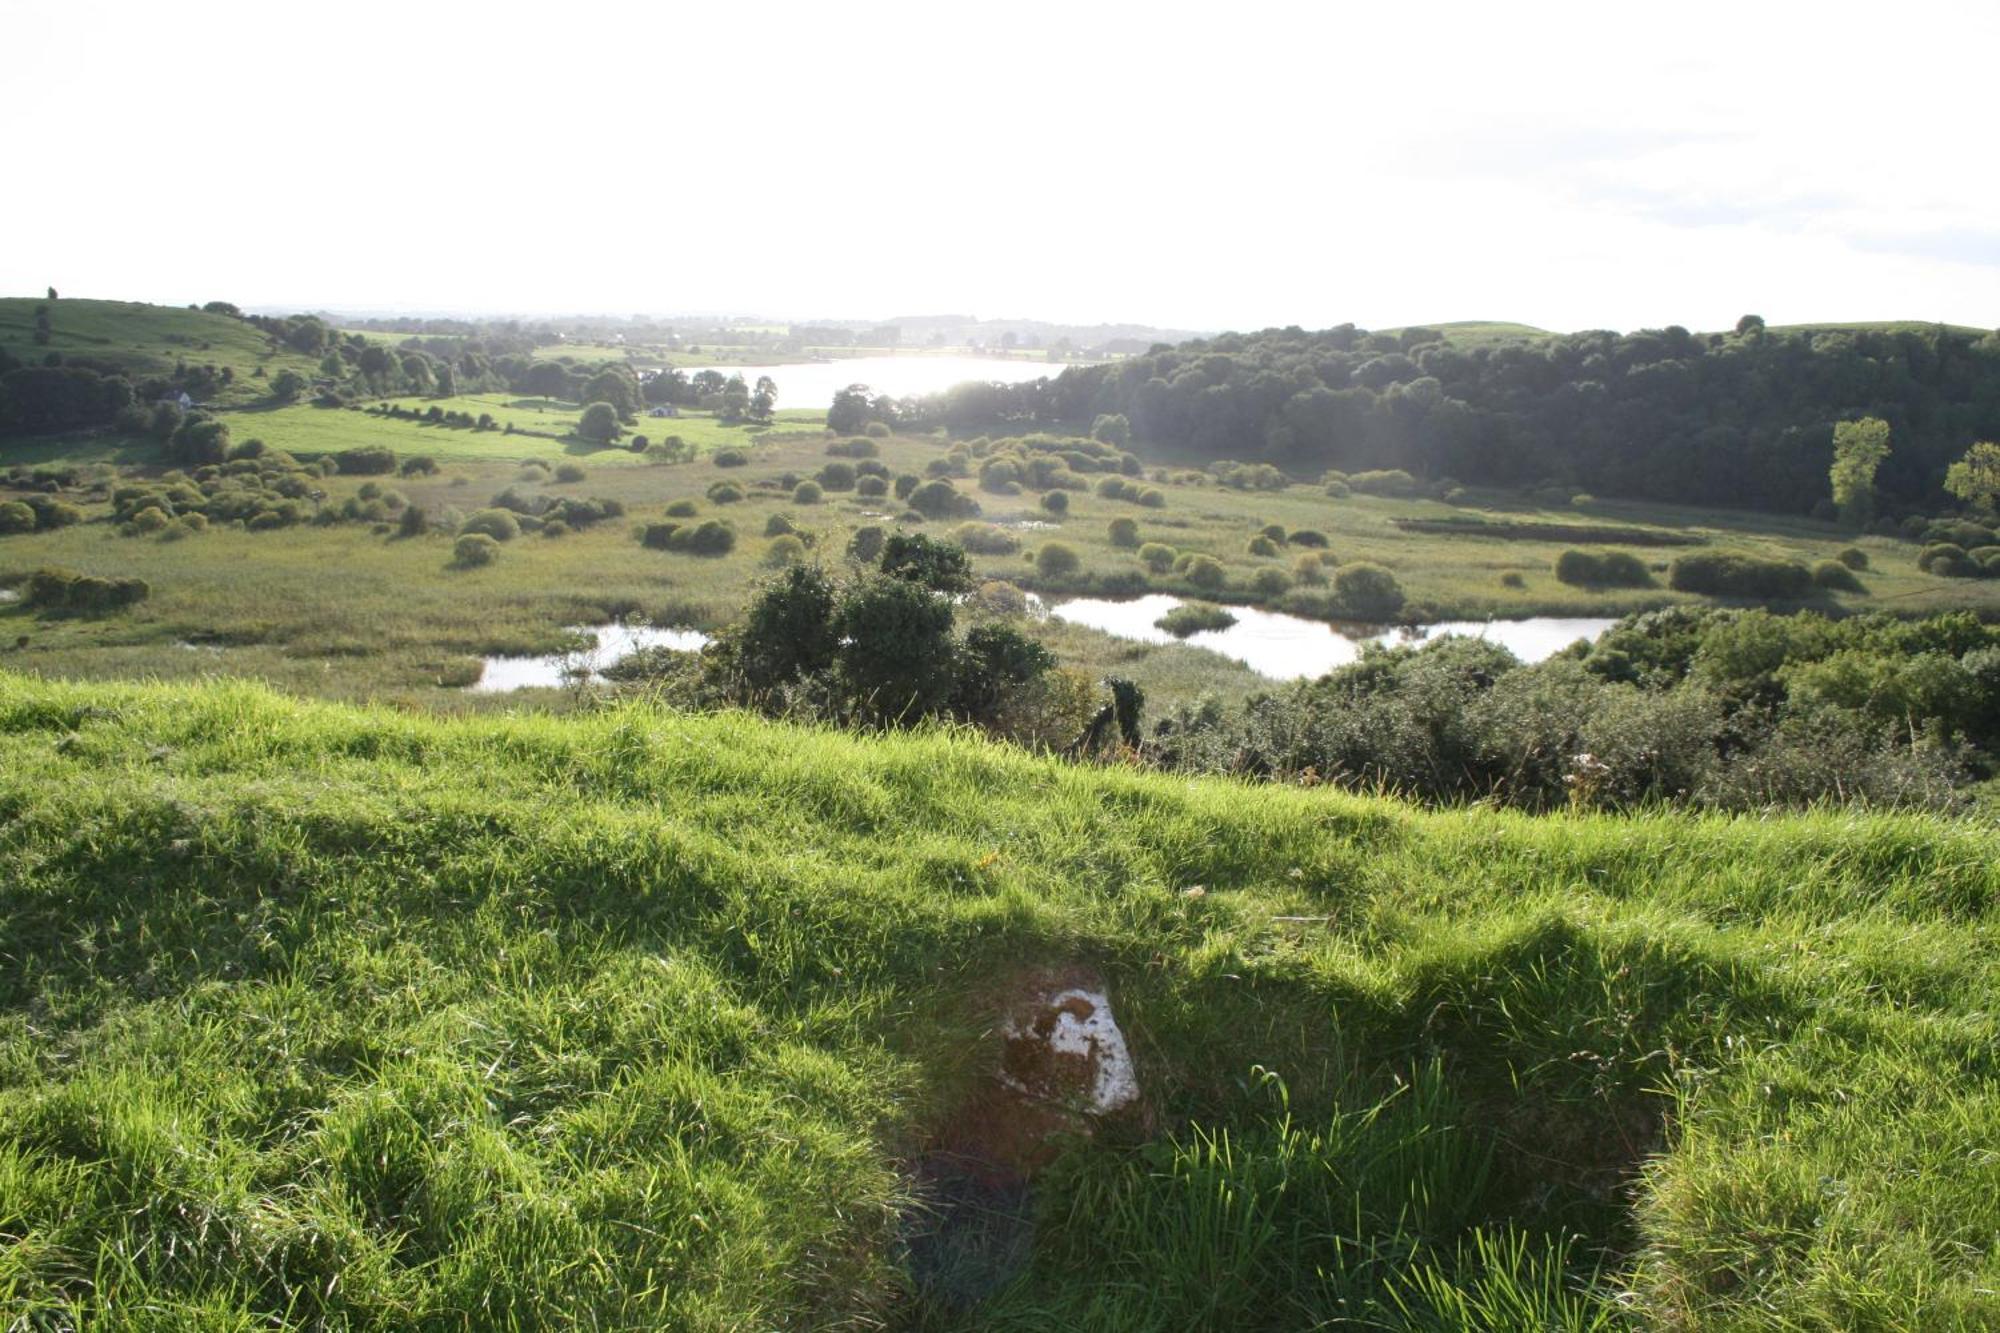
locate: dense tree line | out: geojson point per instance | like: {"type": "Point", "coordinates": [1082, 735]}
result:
{"type": "Point", "coordinates": [1739, 418]}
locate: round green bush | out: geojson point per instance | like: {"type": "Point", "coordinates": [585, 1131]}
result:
{"type": "Point", "coordinates": [555, 527]}
{"type": "Point", "coordinates": [1124, 533]}
{"type": "Point", "coordinates": [1262, 546]}
{"type": "Point", "coordinates": [1157, 556]}
{"type": "Point", "coordinates": [1271, 582]}
{"type": "Point", "coordinates": [1152, 498]}
{"type": "Point", "coordinates": [499, 524]}
{"type": "Point", "coordinates": [778, 525]}
{"type": "Point", "coordinates": [807, 493]}
{"type": "Point", "coordinates": [1367, 591]}
{"type": "Point", "coordinates": [1835, 577]}
{"type": "Point", "coordinates": [785, 549]}
{"type": "Point", "coordinates": [149, 520]}
{"type": "Point", "coordinates": [877, 430]}
{"type": "Point", "coordinates": [473, 549]}
{"type": "Point", "coordinates": [683, 509]}
{"type": "Point", "coordinates": [569, 473]}
{"type": "Point", "coordinates": [1205, 571]}
{"type": "Point", "coordinates": [1310, 537]}
{"type": "Point", "coordinates": [1055, 560]}
{"type": "Point", "coordinates": [871, 488]}
{"type": "Point", "coordinates": [725, 493]}
{"type": "Point", "coordinates": [1338, 489]}
{"type": "Point", "coordinates": [1275, 531]}
{"type": "Point", "coordinates": [16, 517]}
{"type": "Point", "coordinates": [1056, 502]}
{"type": "Point", "coordinates": [1854, 558]}
{"type": "Point", "coordinates": [837, 477]}
{"type": "Point", "coordinates": [731, 458]}
{"type": "Point", "coordinates": [1513, 578]}
{"type": "Point", "coordinates": [866, 544]}
{"type": "Point", "coordinates": [1309, 568]}
{"type": "Point", "coordinates": [985, 539]}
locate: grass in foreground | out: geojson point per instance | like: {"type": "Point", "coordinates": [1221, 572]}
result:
{"type": "Point", "coordinates": [321, 1016]}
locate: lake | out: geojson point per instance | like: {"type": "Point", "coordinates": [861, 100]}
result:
{"type": "Point", "coordinates": [813, 383]}
{"type": "Point", "coordinates": [1284, 647]}
{"type": "Point", "coordinates": [611, 642]}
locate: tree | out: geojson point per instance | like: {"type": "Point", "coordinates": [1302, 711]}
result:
{"type": "Point", "coordinates": [599, 423]}
{"type": "Point", "coordinates": [614, 385]}
{"type": "Point", "coordinates": [1975, 478]}
{"type": "Point", "coordinates": [849, 414]}
{"type": "Point", "coordinates": [764, 399]}
{"type": "Point", "coordinates": [1858, 449]}
{"type": "Point", "coordinates": [788, 631]}
{"type": "Point", "coordinates": [546, 379]}
{"type": "Point", "coordinates": [735, 403]}
{"type": "Point", "coordinates": [936, 565]}
{"type": "Point", "coordinates": [896, 649]}
{"type": "Point", "coordinates": [287, 385]}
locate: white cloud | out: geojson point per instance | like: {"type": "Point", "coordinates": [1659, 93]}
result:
{"type": "Point", "coordinates": [1570, 165]}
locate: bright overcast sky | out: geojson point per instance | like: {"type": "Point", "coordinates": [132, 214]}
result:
{"type": "Point", "coordinates": [1232, 166]}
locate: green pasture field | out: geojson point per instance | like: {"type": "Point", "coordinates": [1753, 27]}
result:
{"type": "Point", "coordinates": [352, 613]}
{"type": "Point", "coordinates": [322, 1017]}
{"type": "Point", "coordinates": [149, 340]}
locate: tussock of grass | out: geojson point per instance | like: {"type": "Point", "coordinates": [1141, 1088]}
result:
{"type": "Point", "coordinates": [321, 1014]}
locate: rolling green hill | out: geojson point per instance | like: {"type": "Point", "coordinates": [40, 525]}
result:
{"type": "Point", "coordinates": [147, 340]}
{"type": "Point", "coordinates": [317, 1016]}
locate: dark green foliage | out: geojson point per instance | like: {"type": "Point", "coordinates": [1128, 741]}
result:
{"type": "Point", "coordinates": [199, 438]}
{"type": "Point", "coordinates": [725, 493]}
{"type": "Point", "coordinates": [1157, 556]}
{"type": "Point", "coordinates": [1308, 537]}
{"type": "Point", "coordinates": [836, 477]}
{"type": "Point", "coordinates": [806, 493]}
{"type": "Point", "coordinates": [15, 517]}
{"type": "Point", "coordinates": [418, 465]}
{"type": "Point", "coordinates": [1124, 533]}
{"type": "Point", "coordinates": [1853, 557]}
{"type": "Point", "coordinates": [1056, 502]}
{"type": "Point", "coordinates": [865, 546]}
{"type": "Point", "coordinates": [860, 446]}
{"type": "Point", "coordinates": [569, 474]}
{"type": "Point", "coordinates": [897, 657]}
{"type": "Point", "coordinates": [66, 590]}
{"type": "Point", "coordinates": [788, 630]}
{"type": "Point", "coordinates": [993, 662]}
{"type": "Point", "coordinates": [1367, 591]}
{"type": "Point", "coordinates": [871, 488]}
{"type": "Point", "coordinates": [709, 537]}
{"type": "Point", "coordinates": [730, 458]}
{"type": "Point", "coordinates": [985, 539]}
{"type": "Point", "coordinates": [1608, 569]}
{"type": "Point", "coordinates": [368, 461]}
{"type": "Point", "coordinates": [1736, 574]}
{"type": "Point", "coordinates": [599, 423]}
{"type": "Point", "coordinates": [940, 499]}
{"type": "Point", "coordinates": [1388, 481]}
{"type": "Point", "coordinates": [1262, 547]}
{"type": "Point", "coordinates": [939, 566]}
{"type": "Point", "coordinates": [683, 509]}
{"type": "Point", "coordinates": [1835, 577]}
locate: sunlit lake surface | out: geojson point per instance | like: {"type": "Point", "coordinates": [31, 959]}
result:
{"type": "Point", "coordinates": [612, 642]}
{"type": "Point", "coordinates": [813, 383]}
{"type": "Point", "coordinates": [1284, 647]}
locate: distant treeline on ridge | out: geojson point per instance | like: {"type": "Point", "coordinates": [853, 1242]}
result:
{"type": "Point", "coordinates": [1742, 418]}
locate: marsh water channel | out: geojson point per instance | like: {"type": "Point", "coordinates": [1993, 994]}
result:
{"type": "Point", "coordinates": [1271, 643]}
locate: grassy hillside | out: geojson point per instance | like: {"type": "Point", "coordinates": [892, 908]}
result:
{"type": "Point", "coordinates": [316, 1016]}
{"type": "Point", "coordinates": [148, 340]}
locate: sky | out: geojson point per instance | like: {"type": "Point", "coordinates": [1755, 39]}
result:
{"type": "Point", "coordinates": [1197, 167]}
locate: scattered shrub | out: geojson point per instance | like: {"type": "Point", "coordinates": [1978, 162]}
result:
{"type": "Point", "coordinates": [785, 549]}
{"type": "Point", "coordinates": [1262, 546]}
{"type": "Point", "coordinates": [1609, 569]}
{"type": "Point", "coordinates": [1271, 582]}
{"type": "Point", "coordinates": [56, 589]}
{"type": "Point", "coordinates": [731, 458]}
{"type": "Point", "coordinates": [1157, 556]}
{"type": "Point", "coordinates": [16, 517]}
{"type": "Point", "coordinates": [1055, 560]}
{"type": "Point", "coordinates": [1152, 498]}
{"type": "Point", "coordinates": [725, 493]}
{"type": "Point", "coordinates": [499, 524]}
{"type": "Point", "coordinates": [1124, 533]}
{"type": "Point", "coordinates": [906, 483]}
{"type": "Point", "coordinates": [877, 430]}
{"type": "Point", "coordinates": [836, 477]}
{"type": "Point", "coordinates": [683, 509]}
{"type": "Point", "coordinates": [1056, 502]}
{"type": "Point", "coordinates": [370, 460]}
{"type": "Point", "coordinates": [473, 549]}
{"type": "Point", "coordinates": [1854, 558]}
{"type": "Point", "coordinates": [1736, 574]}
{"type": "Point", "coordinates": [1513, 578]}
{"type": "Point", "coordinates": [1309, 568]}
{"type": "Point", "coordinates": [807, 493]}
{"type": "Point", "coordinates": [709, 537]}
{"type": "Point", "coordinates": [940, 499]}
{"type": "Point", "coordinates": [1393, 482]}
{"type": "Point", "coordinates": [569, 473]}
{"type": "Point", "coordinates": [871, 488]}
{"type": "Point", "coordinates": [985, 539]}
{"type": "Point", "coordinates": [1193, 618]}
{"type": "Point", "coordinates": [418, 465]}
{"type": "Point", "coordinates": [1367, 591]}
{"type": "Point", "coordinates": [1835, 577]}
{"type": "Point", "coordinates": [1338, 489]}
{"type": "Point", "coordinates": [1309, 537]}
{"type": "Point", "coordinates": [1205, 571]}
{"type": "Point", "coordinates": [866, 544]}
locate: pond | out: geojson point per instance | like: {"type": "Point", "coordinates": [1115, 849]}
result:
{"type": "Point", "coordinates": [1284, 647]}
{"type": "Point", "coordinates": [813, 383]}
{"type": "Point", "coordinates": [610, 643]}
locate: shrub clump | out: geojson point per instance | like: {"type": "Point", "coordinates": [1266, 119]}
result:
{"type": "Point", "coordinates": [1194, 617]}
{"type": "Point", "coordinates": [1738, 574]}
{"type": "Point", "coordinates": [1157, 556]}
{"type": "Point", "coordinates": [1835, 577]}
{"type": "Point", "coordinates": [985, 539]}
{"type": "Point", "coordinates": [731, 458]}
{"type": "Point", "coordinates": [369, 461]}
{"type": "Point", "coordinates": [1608, 569]}
{"type": "Point", "coordinates": [1056, 560]}
{"type": "Point", "coordinates": [1124, 533]}
{"type": "Point", "coordinates": [1056, 502]}
{"type": "Point", "coordinates": [1392, 482]}
{"type": "Point", "coordinates": [709, 537]}
{"type": "Point", "coordinates": [57, 589]}
{"type": "Point", "coordinates": [569, 473]}
{"type": "Point", "coordinates": [807, 493]}
{"type": "Point", "coordinates": [473, 549]}
{"type": "Point", "coordinates": [1367, 591]}
{"type": "Point", "coordinates": [1854, 558]}
{"type": "Point", "coordinates": [500, 525]}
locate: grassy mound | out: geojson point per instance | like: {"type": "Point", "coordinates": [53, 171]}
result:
{"type": "Point", "coordinates": [314, 1014]}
